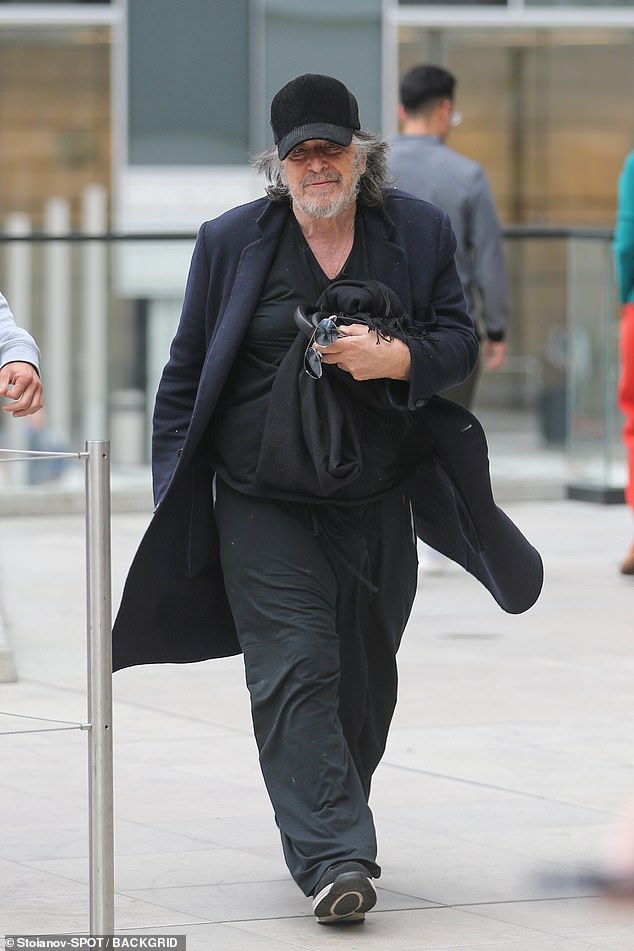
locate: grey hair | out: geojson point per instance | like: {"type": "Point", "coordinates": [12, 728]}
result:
{"type": "Point", "coordinates": [371, 184]}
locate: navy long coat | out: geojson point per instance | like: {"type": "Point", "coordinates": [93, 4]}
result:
{"type": "Point", "coordinates": [174, 607]}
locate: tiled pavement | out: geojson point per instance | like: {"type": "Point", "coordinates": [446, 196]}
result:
{"type": "Point", "coordinates": [509, 766]}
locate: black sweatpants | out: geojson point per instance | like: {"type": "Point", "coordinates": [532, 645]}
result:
{"type": "Point", "coordinates": [320, 595]}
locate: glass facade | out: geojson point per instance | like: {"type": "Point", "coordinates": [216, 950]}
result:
{"type": "Point", "coordinates": [552, 148]}
{"type": "Point", "coordinates": [595, 448]}
{"type": "Point", "coordinates": [342, 39]}
{"type": "Point", "coordinates": [577, 3]}
{"type": "Point", "coordinates": [188, 83]}
{"type": "Point", "coordinates": [53, 3]}
{"type": "Point", "coordinates": [55, 116]}
{"type": "Point", "coordinates": [454, 3]}
{"type": "Point", "coordinates": [516, 4]}
{"type": "Point", "coordinates": [547, 112]}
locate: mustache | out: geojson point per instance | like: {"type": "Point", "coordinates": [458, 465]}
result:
{"type": "Point", "coordinates": [314, 178]}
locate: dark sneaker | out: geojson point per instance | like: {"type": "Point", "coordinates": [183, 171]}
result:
{"type": "Point", "coordinates": [344, 893]}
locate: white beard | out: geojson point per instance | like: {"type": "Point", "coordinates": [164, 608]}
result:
{"type": "Point", "coordinates": [321, 206]}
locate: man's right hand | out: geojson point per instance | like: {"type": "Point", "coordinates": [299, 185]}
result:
{"type": "Point", "coordinates": [20, 382]}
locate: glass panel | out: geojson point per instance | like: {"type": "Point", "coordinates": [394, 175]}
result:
{"type": "Point", "coordinates": [188, 83]}
{"type": "Point", "coordinates": [453, 3]}
{"type": "Point", "coordinates": [303, 37]}
{"type": "Point", "coordinates": [522, 403]}
{"type": "Point", "coordinates": [595, 450]}
{"type": "Point", "coordinates": [578, 3]}
{"type": "Point", "coordinates": [58, 289]}
{"type": "Point", "coordinates": [54, 116]}
{"type": "Point", "coordinates": [552, 146]}
{"type": "Point", "coordinates": [39, 3]}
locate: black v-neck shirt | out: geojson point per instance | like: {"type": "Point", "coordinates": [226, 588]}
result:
{"type": "Point", "coordinates": [235, 433]}
{"type": "Point", "coordinates": [294, 278]}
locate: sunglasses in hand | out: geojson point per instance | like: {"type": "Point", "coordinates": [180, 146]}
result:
{"type": "Point", "coordinates": [325, 333]}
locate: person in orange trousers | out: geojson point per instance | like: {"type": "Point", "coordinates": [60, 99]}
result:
{"type": "Point", "coordinates": [624, 260]}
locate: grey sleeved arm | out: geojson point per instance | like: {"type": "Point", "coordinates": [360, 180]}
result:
{"type": "Point", "coordinates": [16, 344]}
{"type": "Point", "coordinates": [489, 267]}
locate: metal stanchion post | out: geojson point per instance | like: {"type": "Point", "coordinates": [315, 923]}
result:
{"type": "Point", "coordinates": [100, 773]}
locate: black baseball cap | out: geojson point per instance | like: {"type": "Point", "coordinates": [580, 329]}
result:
{"type": "Point", "coordinates": [313, 107]}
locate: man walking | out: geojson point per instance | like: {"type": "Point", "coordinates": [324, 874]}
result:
{"type": "Point", "coordinates": [289, 472]}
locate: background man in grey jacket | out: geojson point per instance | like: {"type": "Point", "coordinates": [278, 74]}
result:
{"type": "Point", "coordinates": [422, 164]}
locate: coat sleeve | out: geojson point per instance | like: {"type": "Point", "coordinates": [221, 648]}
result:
{"type": "Point", "coordinates": [489, 266]}
{"type": "Point", "coordinates": [448, 351]}
{"type": "Point", "coordinates": [178, 387]}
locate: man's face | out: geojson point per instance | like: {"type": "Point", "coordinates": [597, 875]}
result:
{"type": "Point", "coordinates": [323, 177]}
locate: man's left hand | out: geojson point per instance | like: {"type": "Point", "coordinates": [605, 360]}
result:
{"type": "Point", "coordinates": [20, 382]}
{"type": "Point", "coordinates": [366, 356]}
{"type": "Point", "coordinates": [493, 354]}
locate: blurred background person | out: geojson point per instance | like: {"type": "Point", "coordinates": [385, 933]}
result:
{"type": "Point", "coordinates": [624, 260]}
{"type": "Point", "coordinates": [421, 163]}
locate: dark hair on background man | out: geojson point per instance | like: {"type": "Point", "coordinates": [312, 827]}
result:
{"type": "Point", "coordinates": [371, 183]}
{"type": "Point", "coordinates": [423, 87]}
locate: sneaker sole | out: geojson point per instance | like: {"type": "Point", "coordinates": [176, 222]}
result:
{"type": "Point", "coordinates": [345, 900]}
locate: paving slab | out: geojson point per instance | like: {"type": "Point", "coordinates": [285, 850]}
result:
{"type": "Point", "coordinates": [508, 771]}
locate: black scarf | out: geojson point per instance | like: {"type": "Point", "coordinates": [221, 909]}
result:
{"type": "Point", "coordinates": [312, 442]}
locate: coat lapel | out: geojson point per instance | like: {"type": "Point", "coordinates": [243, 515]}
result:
{"type": "Point", "coordinates": [232, 324]}
{"type": "Point", "coordinates": [390, 266]}
{"type": "Point", "coordinates": [389, 259]}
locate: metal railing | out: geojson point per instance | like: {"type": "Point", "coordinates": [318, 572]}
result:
{"type": "Point", "coordinates": [99, 677]}
{"type": "Point", "coordinates": [104, 307]}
